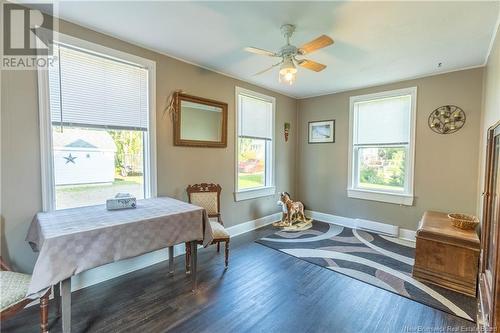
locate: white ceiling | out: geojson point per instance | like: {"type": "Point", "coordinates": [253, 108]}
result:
{"type": "Point", "coordinates": [375, 42]}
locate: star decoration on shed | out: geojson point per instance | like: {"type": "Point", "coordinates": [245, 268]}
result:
{"type": "Point", "coordinates": [70, 158]}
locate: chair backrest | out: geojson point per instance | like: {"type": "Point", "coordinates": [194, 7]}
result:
{"type": "Point", "coordinates": [206, 196]}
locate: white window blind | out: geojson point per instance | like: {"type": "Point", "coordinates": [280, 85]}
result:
{"type": "Point", "coordinates": [255, 117]}
{"type": "Point", "coordinates": [255, 145]}
{"type": "Point", "coordinates": [91, 90]}
{"type": "Point", "coordinates": [381, 152]}
{"type": "Point", "coordinates": [383, 121]}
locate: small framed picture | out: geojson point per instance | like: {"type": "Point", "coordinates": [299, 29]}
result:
{"type": "Point", "coordinates": [322, 131]}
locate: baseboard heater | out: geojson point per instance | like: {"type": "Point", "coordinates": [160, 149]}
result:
{"type": "Point", "coordinates": [377, 227]}
{"type": "Point", "coordinates": [368, 225]}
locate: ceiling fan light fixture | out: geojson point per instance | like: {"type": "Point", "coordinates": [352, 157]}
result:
{"type": "Point", "coordinates": [288, 52]}
{"type": "Point", "coordinates": [288, 77]}
{"type": "Point", "coordinates": [288, 71]}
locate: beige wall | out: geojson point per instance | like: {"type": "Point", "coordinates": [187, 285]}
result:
{"type": "Point", "coordinates": [177, 166]}
{"type": "Point", "coordinates": [491, 106]}
{"type": "Point", "coordinates": [445, 165]}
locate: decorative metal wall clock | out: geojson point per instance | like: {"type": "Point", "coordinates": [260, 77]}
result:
{"type": "Point", "coordinates": [446, 119]}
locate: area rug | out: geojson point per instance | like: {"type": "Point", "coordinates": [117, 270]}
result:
{"type": "Point", "coordinates": [383, 261]}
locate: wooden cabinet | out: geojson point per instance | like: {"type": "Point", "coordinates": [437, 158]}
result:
{"type": "Point", "coordinates": [445, 255]}
{"type": "Point", "coordinates": [489, 277]}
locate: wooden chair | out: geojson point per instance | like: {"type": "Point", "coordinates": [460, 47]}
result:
{"type": "Point", "coordinates": [13, 288]}
{"type": "Point", "coordinates": [208, 197]}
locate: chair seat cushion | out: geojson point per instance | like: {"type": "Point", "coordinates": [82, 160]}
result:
{"type": "Point", "coordinates": [218, 231]}
{"type": "Point", "coordinates": [13, 288]}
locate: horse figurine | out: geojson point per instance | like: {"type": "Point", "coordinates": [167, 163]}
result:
{"type": "Point", "coordinates": [293, 211]}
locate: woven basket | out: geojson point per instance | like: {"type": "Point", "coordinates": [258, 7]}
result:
{"type": "Point", "coordinates": [464, 221]}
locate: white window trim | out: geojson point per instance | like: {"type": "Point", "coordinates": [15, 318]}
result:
{"type": "Point", "coordinates": [405, 198]}
{"type": "Point", "coordinates": [268, 190]}
{"type": "Point", "coordinates": [46, 158]}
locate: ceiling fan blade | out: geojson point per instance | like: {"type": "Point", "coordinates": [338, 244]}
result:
{"type": "Point", "coordinates": [268, 69]}
{"type": "Point", "coordinates": [260, 51]}
{"type": "Point", "coordinates": [312, 65]}
{"type": "Point", "coordinates": [316, 44]}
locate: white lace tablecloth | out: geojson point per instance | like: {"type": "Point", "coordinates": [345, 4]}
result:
{"type": "Point", "coordinates": [74, 240]}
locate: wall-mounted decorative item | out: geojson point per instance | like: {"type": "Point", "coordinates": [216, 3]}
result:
{"type": "Point", "coordinates": [322, 131]}
{"type": "Point", "coordinates": [170, 108]}
{"type": "Point", "coordinates": [287, 130]}
{"type": "Point", "coordinates": [199, 122]}
{"type": "Point", "coordinates": [446, 119]}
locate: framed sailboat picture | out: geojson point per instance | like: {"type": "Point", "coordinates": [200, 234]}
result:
{"type": "Point", "coordinates": [322, 131]}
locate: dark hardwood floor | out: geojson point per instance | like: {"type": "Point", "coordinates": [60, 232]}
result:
{"type": "Point", "coordinates": [262, 291]}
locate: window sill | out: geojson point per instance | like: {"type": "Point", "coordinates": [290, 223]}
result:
{"type": "Point", "coordinates": [254, 193]}
{"type": "Point", "coordinates": [394, 198]}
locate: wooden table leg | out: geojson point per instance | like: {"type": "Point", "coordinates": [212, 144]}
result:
{"type": "Point", "coordinates": [188, 258]}
{"type": "Point", "coordinates": [171, 260]}
{"type": "Point", "coordinates": [66, 305]}
{"type": "Point", "coordinates": [194, 261]}
{"type": "Point", "coordinates": [44, 313]}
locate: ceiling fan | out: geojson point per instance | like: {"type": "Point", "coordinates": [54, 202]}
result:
{"type": "Point", "coordinates": [289, 54]}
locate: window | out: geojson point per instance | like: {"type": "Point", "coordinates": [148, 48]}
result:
{"type": "Point", "coordinates": [97, 125]}
{"type": "Point", "coordinates": [255, 147]}
{"type": "Point", "coordinates": [381, 154]}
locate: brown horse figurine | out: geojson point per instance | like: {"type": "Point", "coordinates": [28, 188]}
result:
{"type": "Point", "coordinates": [292, 210]}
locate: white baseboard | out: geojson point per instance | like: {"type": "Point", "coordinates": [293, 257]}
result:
{"type": "Point", "coordinates": [241, 228]}
{"type": "Point", "coordinates": [383, 228]}
{"type": "Point", "coordinates": [335, 219]}
{"type": "Point", "coordinates": [369, 225]}
{"type": "Point", "coordinates": [109, 271]}
{"type": "Point", "coordinates": [407, 234]}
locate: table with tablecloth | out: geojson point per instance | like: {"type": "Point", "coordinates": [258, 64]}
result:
{"type": "Point", "coordinates": [74, 240]}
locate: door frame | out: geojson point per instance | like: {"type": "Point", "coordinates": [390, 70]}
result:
{"type": "Point", "coordinates": [489, 296]}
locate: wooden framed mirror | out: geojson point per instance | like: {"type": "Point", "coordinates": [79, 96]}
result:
{"type": "Point", "coordinates": [199, 122]}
